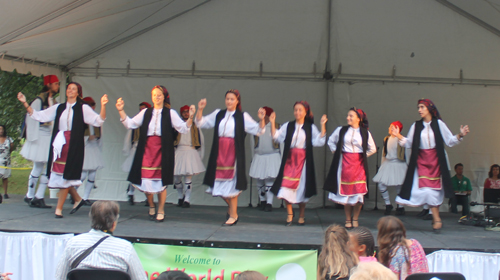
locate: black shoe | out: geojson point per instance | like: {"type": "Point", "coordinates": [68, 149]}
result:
{"type": "Point", "coordinates": [87, 202]}
{"type": "Point", "coordinates": [230, 225]}
{"type": "Point", "coordinates": [59, 216]}
{"type": "Point", "coordinates": [423, 213]}
{"type": "Point", "coordinates": [39, 203]}
{"type": "Point", "coordinates": [400, 211]}
{"type": "Point", "coordinates": [388, 209]}
{"type": "Point", "coordinates": [152, 216]}
{"type": "Point", "coordinates": [302, 224]}
{"type": "Point", "coordinates": [80, 204]}
{"type": "Point", "coordinates": [427, 217]}
{"type": "Point", "coordinates": [268, 208]}
{"type": "Point", "coordinates": [131, 199]}
{"type": "Point", "coordinates": [262, 206]}
{"type": "Point", "coordinates": [180, 202]}
{"type": "Point", "coordinates": [27, 200]}
{"type": "Point", "coordinates": [6, 196]}
{"type": "Point", "coordinates": [160, 220]}
{"type": "Point", "coordinates": [186, 204]}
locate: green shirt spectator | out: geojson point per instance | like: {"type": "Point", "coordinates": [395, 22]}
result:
{"type": "Point", "coordinates": [463, 189]}
{"type": "Point", "coordinates": [461, 185]}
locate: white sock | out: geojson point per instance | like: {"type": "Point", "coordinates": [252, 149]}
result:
{"type": "Point", "coordinates": [384, 193]}
{"type": "Point", "coordinates": [131, 189]}
{"type": "Point", "coordinates": [34, 176]}
{"type": "Point", "coordinates": [90, 184]}
{"type": "Point", "coordinates": [42, 186]}
{"type": "Point", "coordinates": [269, 195]}
{"type": "Point", "coordinates": [178, 186]}
{"type": "Point", "coordinates": [187, 189]}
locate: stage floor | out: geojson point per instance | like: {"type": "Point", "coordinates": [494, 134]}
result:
{"type": "Point", "coordinates": [202, 226]}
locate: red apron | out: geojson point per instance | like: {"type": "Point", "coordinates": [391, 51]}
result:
{"type": "Point", "coordinates": [353, 176]}
{"type": "Point", "coordinates": [60, 163]}
{"type": "Point", "coordinates": [151, 160]}
{"type": "Point", "coordinates": [226, 159]}
{"type": "Point", "coordinates": [429, 174]}
{"type": "Point", "coordinates": [293, 168]}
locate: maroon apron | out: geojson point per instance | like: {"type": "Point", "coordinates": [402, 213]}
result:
{"type": "Point", "coordinates": [226, 159]}
{"type": "Point", "coordinates": [353, 175]}
{"type": "Point", "coordinates": [151, 160]}
{"type": "Point", "coordinates": [429, 174]}
{"type": "Point", "coordinates": [60, 163]}
{"type": "Point", "coordinates": [293, 168]}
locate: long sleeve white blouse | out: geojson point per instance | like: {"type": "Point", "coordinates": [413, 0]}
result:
{"type": "Point", "coordinates": [226, 126]}
{"type": "Point", "coordinates": [352, 141]}
{"type": "Point", "coordinates": [154, 128]}
{"type": "Point", "coordinates": [427, 140]}
{"type": "Point", "coordinates": [66, 120]}
{"type": "Point", "coordinates": [299, 136]}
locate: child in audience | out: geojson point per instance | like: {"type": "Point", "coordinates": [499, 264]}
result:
{"type": "Point", "coordinates": [336, 260]}
{"type": "Point", "coordinates": [362, 244]}
{"type": "Point", "coordinates": [250, 275]}
{"type": "Point", "coordinates": [372, 271]}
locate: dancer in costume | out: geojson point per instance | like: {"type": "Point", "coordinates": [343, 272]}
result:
{"type": "Point", "coordinates": [92, 160]}
{"type": "Point", "coordinates": [6, 148]}
{"type": "Point", "coordinates": [36, 147]}
{"type": "Point", "coordinates": [392, 169]}
{"type": "Point", "coordinates": [226, 172]}
{"type": "Point", "coordinates": [265, 163]}
{"type": "Point", "coordinates": [153, 166]}
{"type": "Point", "coordinates": [347, 180]}
{"type": "Point", "coordinates": [296, 180]}
{"type": "Point", "coordinates": [129, 148]}
{"type": "Point", "coordinates": [428, 177]}
{"type": "Point", "coordinates": [67, 143]}
{"type": "Point", "coordinates": [188, 155]}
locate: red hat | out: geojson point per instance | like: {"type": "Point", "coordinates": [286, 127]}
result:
{"type": "Point", "coordinates": [363, 120]}
{"type": "Point", "coordinates": [269, 110]}
{"type": "Point", "coordinates": [49, 79]}
{"type": "Point", "coordinates": [184, 108]}
{"type": "Point", "coordinates": [145, 104]}
{"type": "Point", "coordinates": [398, 124]}
{"type": "Point", "coordinates": [89, 100]}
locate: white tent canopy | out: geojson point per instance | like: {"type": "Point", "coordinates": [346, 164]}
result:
{"type": "Point", "coordinates": [377, 55]}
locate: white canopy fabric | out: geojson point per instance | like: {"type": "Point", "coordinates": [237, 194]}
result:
{"type": "Point", "coordinates": [381, 56]}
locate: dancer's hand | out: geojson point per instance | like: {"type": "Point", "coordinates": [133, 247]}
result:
{"type": "Point", "coordinates": [21, 97]}
{"type": "Point", "coordinates": [202, 104]}
{"type": "Point", "coordinates": [395, 131]}
{"type": "Point", "coordinates": [261, 113]}
{"type": "Point", "coordinates": [272, 117]}
{"type": "Point", "coordinates": [464, 130]}
{"type": "Point", "coordinates": [324, 119]}
{"type": "Point", "coordinates": [120, 104]}
{"type": "Point", "coordinates": [192, 110]}
{"type": "Point", "coordinates": [104, 100]}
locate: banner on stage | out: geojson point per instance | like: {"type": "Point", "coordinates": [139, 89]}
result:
{"type": "Point", "coordinates": [202, 263]}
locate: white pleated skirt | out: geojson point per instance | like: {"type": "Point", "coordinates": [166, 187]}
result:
{"type": "Point", "coordinates": [93, 156]}
{"type": "Point", "coordinates": [265, 166]}
{"type": "Point", "coordinates": [391, 173]}
{"type": "Point", "coordinates": [187, 161]}
{"type": "Point", "coordinates": [421, 196]}
{"type": "Point", "coordinates": [298, 195]}
{"type": "Point", "coordinates": [38, 150]}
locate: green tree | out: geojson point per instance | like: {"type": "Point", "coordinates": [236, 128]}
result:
{"type": "Point", "coordinates": [12, 112]}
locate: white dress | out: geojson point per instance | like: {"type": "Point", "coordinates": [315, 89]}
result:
{"type": "Point", "coordinates": [5, 158]}
{"type": "Point", "coordinates": [266, 159]}
{"type": "Point", "coordinates": [93, 152]}
{"type": "Point", "coordinates": [154, 129]}
{"type": "Point", "coordinates": [299, 142]}
{"type": "Point", "coordinates": [421, 195]}
{"type": "Point", "coordinates": [65, 124]}
{"type": "Point", "coordinates": [188, 158]}
{"type": "Point", "coordinates": [37, 145]}
{"type": "Point", "coordinates": [392, 170]}
{"type": "Point", "coordinates": [352, 144]}
{"type": "Point", "coordinates": [227, 188]}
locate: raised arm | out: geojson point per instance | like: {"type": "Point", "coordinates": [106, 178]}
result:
{"type": "Point", "coordinates": [272, 120]}
{"type": "Point", "coordinates": [104, 101]}
{"type": "Point", "coordinates": [318, 138]}
{"type": "Point", "coordinates": [46, 115]}
{"type": "Point", "coordinates": [407, 141]}
{"type": "Point", "coordinates": [333, 139]}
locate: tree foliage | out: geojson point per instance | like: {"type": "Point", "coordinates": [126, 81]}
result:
{"type": "Point", "coordinates": [12, 112]}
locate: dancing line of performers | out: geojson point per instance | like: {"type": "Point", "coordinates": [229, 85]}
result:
{"type": "Point", "coordinates": [163, 148]}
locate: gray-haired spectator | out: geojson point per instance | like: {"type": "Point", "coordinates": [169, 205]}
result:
{"type": "Point", "coordinates": [250, 275]}
{"type": "Point", "coordinates": [173, 275]}
{"type": "Point", "coordinates": [112, 253]}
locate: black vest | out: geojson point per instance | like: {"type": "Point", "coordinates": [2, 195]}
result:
{"type": "Point", "coordinates": [310, 171]}
{"type": "Point", "coordinates": [167, 149]}
{"type": "Point", "coordinates": [405, 192]}
{"type": "Point", "coordinates": [239, 142]}
{"type": "Point", "coordinates": [74, 162]}
{"type": "Point", "coordinates": [331, 182]}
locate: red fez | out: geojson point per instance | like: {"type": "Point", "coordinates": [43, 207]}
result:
{"type": "Point", "coordinates": [145, 104]}
{"type": "Point", "coordinates": [49, 79]}
{"type": "Point", "coordinates": [89, 100]}
{"type": "Point", "coordinates": [184, 108]}
{"type": "Point", "coordinates": [398, 124]}
{"type": "Point", "coordinates": [269, 110]}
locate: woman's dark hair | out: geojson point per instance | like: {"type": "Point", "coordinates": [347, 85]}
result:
{"type": "Point", "coordinates": [364, 237]}
{"type": "Point", "coordinates": [391, 236]}
{"type": "Point", "coordinates": [173, 275]}
{"type": "Point", "coordinates": [4, 131]}
{"type": "Point", "coordinates": [309, 115]}
{"type": "Point", "coordinates": [490, 174]}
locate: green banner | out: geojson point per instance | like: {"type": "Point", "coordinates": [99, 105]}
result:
{"type": "Point", "coordinates": [224, 264]}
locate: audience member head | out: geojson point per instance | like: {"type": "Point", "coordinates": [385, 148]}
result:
{"type": "Point", "coordinates": [250, 275]}
{"type": "Point", "coordinates": [173, 275]}
{"type": "Point", "coordinates": [372, 271]}
{"type": "Point", "coordinates": [3, 131]}
{"type": "Point", "coordinates": [335, 258]}
{"type": "Point", "coordinates": [494, 171]}
{"type": "Point", "coordinates": [361, 242]}
{"type": "Point", "coordinates": [391, 234]}
{"type": "Point", "coordinates": [459, 169]}
{"type": "Point", "coordinates": [104, 215]}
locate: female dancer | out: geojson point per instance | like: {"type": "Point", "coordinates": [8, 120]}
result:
{"type": "Point", "coordinates": [296, 184]}
{"type": "Point", "coordinates": [428, 177]}
{"type": "Point", "coordinates": [226, 172]}
{"type": "Point", "coordinates": [348, 175]}
{"type": "Point", "coordinates": [67, 148]}
{"type": "Point", "coordinates": [153, 166]}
